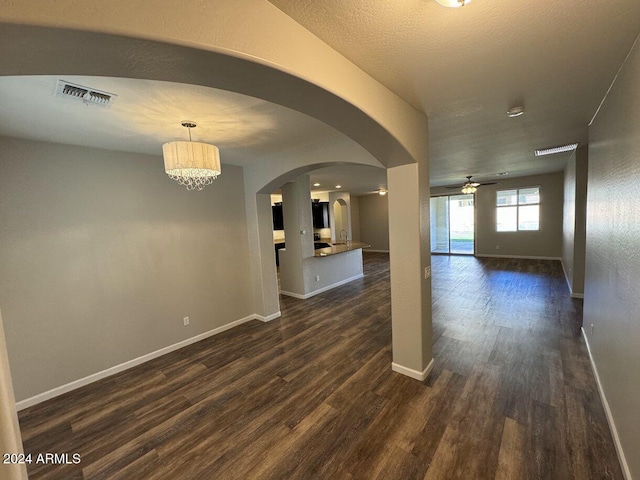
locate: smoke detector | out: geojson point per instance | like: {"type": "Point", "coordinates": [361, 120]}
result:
{"type": "Point", "coordinates": [87, 95]}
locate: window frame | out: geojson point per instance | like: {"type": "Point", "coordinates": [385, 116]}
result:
{"type": "Point", "coordinates": [517, 206]}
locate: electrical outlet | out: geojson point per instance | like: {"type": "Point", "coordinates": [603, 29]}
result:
{"type": "Point", "coordinates": [427, 272]}
{"type": "Point", "coordinates": [185, 320]}
{"type": "Point", "coordinates": [497, 247]}
{"type": "Point", "coordinates": [317, 278]}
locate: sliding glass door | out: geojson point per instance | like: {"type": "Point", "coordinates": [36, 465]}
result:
{"type": "Point", "coordinates": [453, 224]}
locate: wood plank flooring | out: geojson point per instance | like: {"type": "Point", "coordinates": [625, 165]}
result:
{"type": "Point", "coordinates": [312, 395]}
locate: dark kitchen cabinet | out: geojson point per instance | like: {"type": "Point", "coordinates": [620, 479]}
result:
{"type": "Point", "coordinates": [278, 219]}
{"type": "Point", "coordinates": [320, 211]}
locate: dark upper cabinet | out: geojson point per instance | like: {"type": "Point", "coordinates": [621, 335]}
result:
{"type": "Point", "coordinates": [278, 219]}
{"type": "Point", "coordinates": [320, 211]}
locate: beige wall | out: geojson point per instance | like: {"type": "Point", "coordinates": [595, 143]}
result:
{"type": "Point", "coordinates": [374, 221]}
{"type": "Point", "coordinates": [355, 218]}
{"type": "Point", "coordinates": [102, 255]}
{"type": "Point", "coordinates": [574, 216]}
{"type": "Point", "coordinates": [612, 290]}
{"type": "Point", "coordinates": [546, 243]}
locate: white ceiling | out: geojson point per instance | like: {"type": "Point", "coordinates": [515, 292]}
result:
{"type": "Point", "coordinates": [464, 67]}
{"type": "Point", "coordinates": [145, 114]}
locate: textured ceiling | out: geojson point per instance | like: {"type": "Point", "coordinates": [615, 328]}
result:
{"type": "Point", "coordinates": [465, 67]}
{"type": "Point", "coordinates": [462, 67]}
{"type": "Point", "coordinates": [146, 114]}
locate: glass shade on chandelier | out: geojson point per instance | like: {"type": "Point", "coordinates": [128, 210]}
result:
{"type": "Point", "coordinates": [192, 164]}
{"type": "Point", "coordinates": [469, 189]}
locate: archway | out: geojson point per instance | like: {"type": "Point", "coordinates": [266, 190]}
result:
{"type": "Point", "coordinates": [308, 77]}
{"type": "Point", "coordinates": [341, 220]}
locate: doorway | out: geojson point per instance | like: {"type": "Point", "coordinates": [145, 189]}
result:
{"type": "Point", "coordinates": [453, 224]}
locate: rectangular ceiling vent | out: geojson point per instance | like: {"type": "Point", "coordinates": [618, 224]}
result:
{"type": "Point", "coordinates": [553, 150]}
{"type": "Point", "coordinates": [87, 95]}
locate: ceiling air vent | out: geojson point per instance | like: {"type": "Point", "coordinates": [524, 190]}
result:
{"type": "Point", "coordinates": [85, 94]}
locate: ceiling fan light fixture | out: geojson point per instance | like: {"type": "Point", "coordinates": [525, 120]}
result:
{"type": "Point", "coordinates": [382, 192]}
{"type": "Point", "coordinates": [515, 112]}
{"type": "Point", "coordinates": [453, 3]}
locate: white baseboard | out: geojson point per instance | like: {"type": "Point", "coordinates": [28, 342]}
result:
{"type": "Point", "coordinates": [268, 318]}
{"type": "Point", "coordinates": [607, 411]}
{"type": "Point", "coordinates": [409, 372]}
{"type": "Point", "coordinates": [566, 277]}
{"type": "Point", "coordinates": [321, 290]}
{"type": "Point", "coordinates": [525, 257]}
{"type": "Point", "coordinates": [55, 392]}
{"type": "Point", "coordinates": [294, 295]}
{"type": "Point", "coordinates": [375, 251]}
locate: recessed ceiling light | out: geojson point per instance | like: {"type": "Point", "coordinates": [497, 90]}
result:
{"type": "Point", "coordinates": [316, 184]}
{"type": "Point", "coordinates": [338, 186]}
{"type": "Point", "coordinates": [552, 150]}
{"type": "Point", "coordinates": [515, 112]}
{"type": "Point", "coordinates": [453, 3]}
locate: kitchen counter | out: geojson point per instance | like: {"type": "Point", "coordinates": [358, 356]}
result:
{"type": "Point", "coordinates": [340, 248]}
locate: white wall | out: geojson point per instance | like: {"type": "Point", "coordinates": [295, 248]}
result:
{"type": "Point", "coordinates": [102, 255]}
{"type": "Point", "coordinates": [612, 290]}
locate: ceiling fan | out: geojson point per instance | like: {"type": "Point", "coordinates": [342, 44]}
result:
{"type": "Point", "coordinates": [471, 187]}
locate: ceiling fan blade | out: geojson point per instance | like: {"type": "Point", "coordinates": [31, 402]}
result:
{"type": "Point", "coordinates": [455, 188]}
{"type": "Point", "coordinates": [489, 183]}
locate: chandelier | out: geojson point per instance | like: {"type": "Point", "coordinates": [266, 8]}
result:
{"type": "Point", "coordinates": [192, 164]}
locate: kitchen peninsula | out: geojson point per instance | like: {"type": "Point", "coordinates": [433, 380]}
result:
{"type": "Point", "coordinates": [309, 266]}
{"type": "Point", "coordinates": [337, 248]}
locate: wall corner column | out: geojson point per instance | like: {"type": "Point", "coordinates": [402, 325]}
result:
{"type": "Point", "coordinates": [264, 278]}
{"type": "Point", "coordinates": [10, 438]}
{"type": "Point", "coordinates": [410, 259]}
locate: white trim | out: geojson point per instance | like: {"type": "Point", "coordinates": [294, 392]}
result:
{"type": "Point", "coordinates": [573, 294]}
{"type": "Point", "coordinates": [54, 392]}
{"type": "Point", "coordinates": [526, 257]}
{"type": "Point", "coordinates": [607, 411]}
{"type": "Point", "coordinates": [410, 372]}
{"type": "Point", "coordinates": [375, 251]}
{"type": "Point", "coordinates": [268, 318]}
{"type": "Point", "coordinates": [321, 290]}
{"type": "Point", "coordinates": [566, 277]}
{"type": "Point", "coordinates": [294, 295]}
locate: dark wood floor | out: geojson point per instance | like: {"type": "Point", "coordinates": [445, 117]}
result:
{"type": "Point", "coordinates": [312, 395]}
